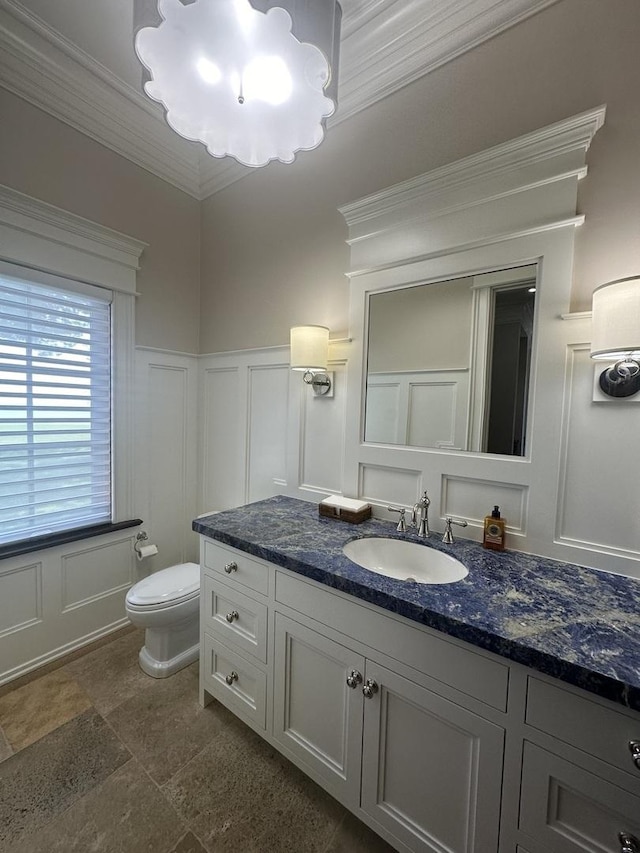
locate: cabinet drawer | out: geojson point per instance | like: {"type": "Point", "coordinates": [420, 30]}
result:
{"type": "Point", "coordinates": [235, 566]}
{"type": "Point", "coordinates": [238, 684]}
{"type": "Point", "coordinates": [469, 672]}
{"type": "Point", "coordinates": [577, 720]}
{"type": "Point", "coordinates": [235, 618]}
{"type": "Point", "coordinates": [569, 810]}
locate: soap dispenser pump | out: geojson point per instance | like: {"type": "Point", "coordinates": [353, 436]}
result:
{"type": "Point", "coordinates": [494, 531]}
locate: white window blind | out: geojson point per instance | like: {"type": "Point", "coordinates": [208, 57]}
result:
{"type": "Point", "coordinates": [55, 408]}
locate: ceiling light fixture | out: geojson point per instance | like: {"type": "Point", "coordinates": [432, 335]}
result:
{"type": "Point", "coordinates": [254, 80]}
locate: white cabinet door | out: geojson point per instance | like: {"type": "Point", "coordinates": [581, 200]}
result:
{"type": "Point", "coordinates": [317, 716]}
{"type": "Point", "coordinates": [569, 810]}
{"type": "Point", "coordinates": [431, 770]}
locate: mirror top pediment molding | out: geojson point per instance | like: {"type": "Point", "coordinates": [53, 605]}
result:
{"type": "Point", "coordinates": [541, 155]}
{"type": "Point", "coordinates": [517, 189]}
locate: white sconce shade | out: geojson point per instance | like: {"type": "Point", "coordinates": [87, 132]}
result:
{"type": "Point", "coordinates": [253, 80]}
{"type": "Point", "coordinates": [309, 348]}
{"type": "Point", "coordinates": [615, 332]}
{"type": "Point", "coordinates": [615, 335]}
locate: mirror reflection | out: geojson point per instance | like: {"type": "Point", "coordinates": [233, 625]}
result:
{"type": "Point", "coordinates": [449, 363]}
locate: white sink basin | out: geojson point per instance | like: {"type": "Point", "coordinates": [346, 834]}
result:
{"type": "Point", "coordinates": [406, 561]}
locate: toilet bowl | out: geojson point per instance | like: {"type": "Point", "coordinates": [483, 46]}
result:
{"type": "Point", "coordinates": [167, 605]}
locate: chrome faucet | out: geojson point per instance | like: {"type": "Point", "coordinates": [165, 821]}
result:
{"type": "Point", "coordinates": [402, 524]}
{"type": "Point", "coordinates": [447, 537]}
{"type": "Point", "coordinates": [422, 506]}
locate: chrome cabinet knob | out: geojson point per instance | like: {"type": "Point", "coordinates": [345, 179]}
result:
{"type": "Point", "coordinates": [231, 567]}
{"type": "Point", "coordinates": [231, 617]}
{"type": "Point", "coordinates": [628, 843]}
{"type": "Point", "coordinates": [370, 688]}
{"type": "Point", "coordinates": [634, 749]}
{"type": "Point", "coordinates": [233, 676]}
{"type": "Point", "coordinates": [354, 679]}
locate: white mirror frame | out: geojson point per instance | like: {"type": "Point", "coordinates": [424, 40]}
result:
{"type": "Point", "coordinates": [509, 206]}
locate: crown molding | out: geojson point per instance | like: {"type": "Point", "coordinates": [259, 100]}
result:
{"type": "Point", "coordinates": [54, 75]}
{"type": "Point", "coordinates": [384, 51]}
{"type": "Point", "coordinates": [386, 44]}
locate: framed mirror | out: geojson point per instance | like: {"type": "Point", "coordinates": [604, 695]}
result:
{"type": "Point", "coordinates": [448, 363]}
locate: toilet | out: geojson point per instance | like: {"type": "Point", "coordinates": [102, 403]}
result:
{"type": "Point", "coordinates": [167, 605]}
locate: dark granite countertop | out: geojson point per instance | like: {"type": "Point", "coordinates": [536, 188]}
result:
{"type": "Point", "coordinates": [574, 623]}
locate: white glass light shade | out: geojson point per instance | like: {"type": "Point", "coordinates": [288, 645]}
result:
{"type": "Point", "coordinates": [236, 79]}
{"type": "Point", "coordinates": [615, 325]}
{"type": "Point", "coordinates": [309, 348]}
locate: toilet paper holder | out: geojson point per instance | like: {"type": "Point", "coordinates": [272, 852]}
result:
{"type": "Point", "coordinates": [143, 547]}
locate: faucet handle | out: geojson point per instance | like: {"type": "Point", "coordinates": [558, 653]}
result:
{"type": "Point", "coordinates": [447, 537]}
{"type": "Point", "coordinates": [402, 524]}
{"type": "Point", "coordinates": [424, 500]}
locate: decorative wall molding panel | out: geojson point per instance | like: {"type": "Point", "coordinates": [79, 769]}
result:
{"type": "Point", "coordinates": [166, 453]}
{"type": "Point", "coordinates": [384, 46]}
{"type": "Point", "coordinates": [21, 599]}
{"type": "Point", "coordinates": [389, 485]}
{"type": "Point", "coordinates": [586, 521]}
{"type": "Point", "coordinates": [94, 573]}
{"type": "Point", "coordinates": [262, 432]}
{"type": "Point", "coordinates": [59, 599]}
{"type": "Point", "coordinates": [462, 496]}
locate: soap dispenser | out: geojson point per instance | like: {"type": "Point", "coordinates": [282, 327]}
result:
{"type": "Point", "coordinates": [494, 531]}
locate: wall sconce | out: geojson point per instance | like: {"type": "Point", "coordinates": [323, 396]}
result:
{"type": "Point", "coordinates": [310, 352]}
{"type": "Point", "coordinates": [616, 335]}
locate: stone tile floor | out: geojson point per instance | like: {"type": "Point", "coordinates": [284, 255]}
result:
{"type": "Point", "coordinates": [96, 757]}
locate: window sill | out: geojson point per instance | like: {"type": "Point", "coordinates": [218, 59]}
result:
{"type": "Point", "coordinates": [27, 546]}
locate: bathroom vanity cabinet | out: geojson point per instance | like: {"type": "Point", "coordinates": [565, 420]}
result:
{"type": "Point", "coordinates": [434, 743]}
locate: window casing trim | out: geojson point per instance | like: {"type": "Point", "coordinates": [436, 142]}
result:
{"type": "Point", "coordinates": [45, 240]}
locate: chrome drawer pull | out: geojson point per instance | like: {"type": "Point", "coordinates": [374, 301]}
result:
{"type": "Point", "coordinates": [369, 688]}
{"type": "Point", "coordinates": [354, 679]}
{"type": "Point", "coordinates": [628, 843]}
{"type": "Point", "coordinates": [634, 749]}
{"type": "Point", "coordinates": [230, 617]}
{"type": "Point", "coordinates": [231, 678]}
{"type": "Point", "coordinates": [231, 567]}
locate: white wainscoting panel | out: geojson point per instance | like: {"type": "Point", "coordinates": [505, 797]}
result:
{"type": "Point", "coordinates": [166, 454]}
{"type": "Point", "coordinates": [262, 431]}
{"type": "Point", "coordinates": [322, 435]}
{"type": "Point", "coordinates": [20, 597]}
{"type": "Point", "coordinates": [462, 497]}
{"type": "Point", "coordinates": [223, 448]}
{"type": "Point", "coordinates": [389, 485]}
{"type": "Point", "coordinates": [267, 430]}
{"type": "Point", "coordinates": [94, 573]}
{"type": "Point", "coordinates": [384, 422]}
{"type": "Point", "coordinates": [599, 494]}
{"type": "Point", "coordinates": [56, 600]}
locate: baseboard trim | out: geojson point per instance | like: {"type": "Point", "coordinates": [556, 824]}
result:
{"type": "Point", "coordinates": [56, 658]}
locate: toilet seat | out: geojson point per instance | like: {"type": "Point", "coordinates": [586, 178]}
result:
{"type": "Point", "coordinates": [165, 588]}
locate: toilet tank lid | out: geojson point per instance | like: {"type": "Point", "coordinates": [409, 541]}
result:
{"type": "Point", "coordinates": [172, 584]}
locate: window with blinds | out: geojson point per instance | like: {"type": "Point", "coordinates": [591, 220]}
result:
{"type": "Point", "coordinates": [55, 408]}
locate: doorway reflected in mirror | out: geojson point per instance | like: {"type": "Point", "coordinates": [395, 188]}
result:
{"type": "Point", "coordinates": [449, 363]}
